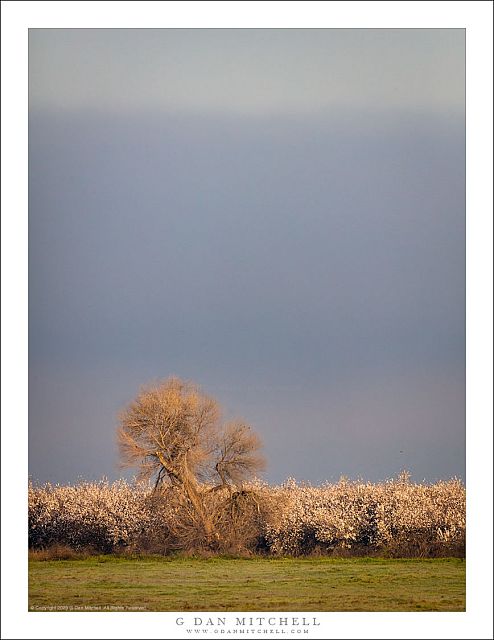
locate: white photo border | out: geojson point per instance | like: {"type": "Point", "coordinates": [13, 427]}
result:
{"type": "Point", "coordinates": [476, 18]}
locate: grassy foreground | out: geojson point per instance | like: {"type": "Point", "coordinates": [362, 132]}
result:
{"type": "Point", "coordinates": [218, 584]}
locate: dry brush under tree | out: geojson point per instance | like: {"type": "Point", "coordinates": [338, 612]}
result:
{"type": "Point", "coordinates": [174, 435]}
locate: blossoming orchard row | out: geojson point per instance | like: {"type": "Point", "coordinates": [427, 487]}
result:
{"type": "Point", "coordinates": [289, 519]}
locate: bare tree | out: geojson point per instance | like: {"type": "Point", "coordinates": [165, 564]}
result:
{"type": "Point", "coordinates": [172, 432]}
{"type": "Point", "coordinates": [237, 453]}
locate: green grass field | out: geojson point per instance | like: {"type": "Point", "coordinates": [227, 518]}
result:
{"type": "Point", "coordinates": [219, 584]}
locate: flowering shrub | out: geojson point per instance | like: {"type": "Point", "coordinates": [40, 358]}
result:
{"type": "Point", "coordinates": [289, 519]}
{"type": "Point", "coordinates": [99, 515]}
{"type": "Point", "coordinates": [350, 514]}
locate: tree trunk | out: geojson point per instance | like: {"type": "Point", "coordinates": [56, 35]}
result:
{"type": "Point", "coordinates": [183, 477]}
{"type": "Point", "coordinates": [193, 493]}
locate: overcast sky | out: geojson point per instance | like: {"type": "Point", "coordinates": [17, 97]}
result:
{"type": "Point", "coordinates": [278, 215]}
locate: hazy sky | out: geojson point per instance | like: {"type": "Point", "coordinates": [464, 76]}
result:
{"type": "Point", "coordinates": [278, 215]}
